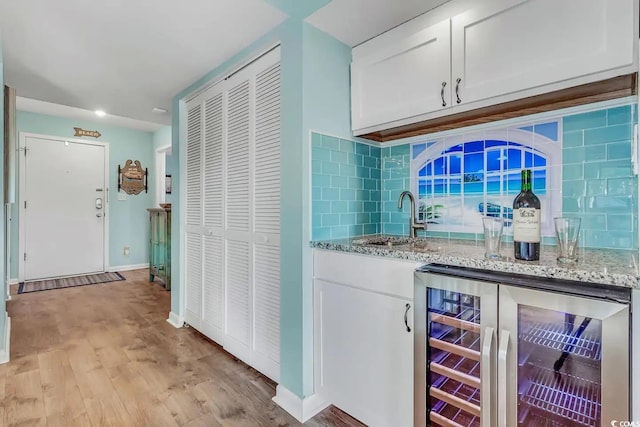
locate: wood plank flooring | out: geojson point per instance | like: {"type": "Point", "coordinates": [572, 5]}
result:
{"type": "Point", "coordinates": [104, 355]}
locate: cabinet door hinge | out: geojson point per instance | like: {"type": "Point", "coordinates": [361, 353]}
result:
{"type": "Point", "coordinates": [25, 256]}
{"type": "Point", "coordinates": [25, 204]}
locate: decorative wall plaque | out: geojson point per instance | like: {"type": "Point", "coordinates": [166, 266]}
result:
{"type": "Point", "coordinates": [132, 179]}
{"type": "Point", "coordinates": [82, 132]}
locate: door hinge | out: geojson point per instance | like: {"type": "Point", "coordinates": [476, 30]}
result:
{"type": "Point", "coordinates": [25, 204]}
{"type": "Point", "coordinates": [25, 256]}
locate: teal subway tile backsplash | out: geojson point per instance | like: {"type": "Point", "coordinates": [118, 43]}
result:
{"type": "Point", "coordinates": [361, 183]}
{"type": "Point", "coordinates": [608, 202]}
{"type": "Point", "coordinates": [573, 139]}
{"type": "Point", "coordinates": [619, 150]}
{"type": "Point", "coordinates": [619, 115]}
{"type": "Point", "coordinates": [344, 175]}
{"type": "Point", "coordinates": [396, 161]}
{"type": "Point", "coordinates": [592, 119]}
{"type": "Point", "coordinates": [608, 134]}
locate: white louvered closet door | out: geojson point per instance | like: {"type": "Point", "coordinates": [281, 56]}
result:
{"type": "Point", "coordinates": [237, 204]}
{"type": "Point", "coordinates": [233, 214]}
{"type": "Point", "coordinates": [213, 280]}
{"type": "Point", "coordinates": [266, 218]}
{"type": "Point", "coordinates": [193, 238]}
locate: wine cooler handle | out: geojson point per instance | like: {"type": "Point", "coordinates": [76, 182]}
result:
{"type": "Point", "coordinates": [406, 310]}
{"type": "Point", "coordinates": [485, 377]}
{"type": "Point", "coordinates": [502, 378]}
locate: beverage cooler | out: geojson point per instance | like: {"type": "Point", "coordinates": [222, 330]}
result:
{"type": "Point", "coordinates": [497, 349]}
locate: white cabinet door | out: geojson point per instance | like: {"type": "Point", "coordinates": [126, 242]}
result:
{"type": "Point", "coordinates": [366, 353]}
{"type": "Point", "coordinates": [402, 79]}
{"type": "Point", "coordinates": [505, 46]}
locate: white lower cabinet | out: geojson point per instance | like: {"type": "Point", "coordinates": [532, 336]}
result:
{"type": "Point", "coordinates": [364, 338]}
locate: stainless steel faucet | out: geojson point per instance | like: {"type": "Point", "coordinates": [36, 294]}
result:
{"type": "Point", "coordinates": [413, 225]}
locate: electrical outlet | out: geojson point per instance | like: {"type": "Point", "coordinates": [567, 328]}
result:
{"type": "Point", "coordinates": [126, 251]}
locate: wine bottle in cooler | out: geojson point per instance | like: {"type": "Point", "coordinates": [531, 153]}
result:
{"type": "Point", "coordinates": [526, 221]}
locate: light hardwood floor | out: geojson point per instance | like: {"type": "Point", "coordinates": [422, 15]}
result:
{"type": "Point", "coordinates": [104, 355]}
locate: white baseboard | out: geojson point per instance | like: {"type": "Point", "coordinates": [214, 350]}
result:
{"type": "Point", "coordinates": [128, 267]}
{"type": "Point", "coordinates": [175, 320]}
{"type": "Point", "coordinates": [5, 352]}
{"type": "Point", "coordinates": [301, 409]}
{"type": "Point", "coordinates": [12, 282]}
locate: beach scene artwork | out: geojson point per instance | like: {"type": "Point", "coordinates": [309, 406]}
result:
{"type": "Point", "coordinates": [463, 178]}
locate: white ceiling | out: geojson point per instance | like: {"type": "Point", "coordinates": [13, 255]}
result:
{"type": "Point", "coordinates": [356, 21]}
{"type": "Point", "coordinates": [124, 57]}
{"type": "Point", "coordinates": [58, 110]}
{"type": "Point", "coordinates": [127, 57]}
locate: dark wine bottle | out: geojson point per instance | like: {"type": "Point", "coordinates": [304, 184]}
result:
{"type": "Point", "coordinates": [526, 221]}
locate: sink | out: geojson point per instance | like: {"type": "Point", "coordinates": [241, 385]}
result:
{"type": "Point", "coordinates": [399, 243]}
{"type": "Point", "coordinates": [387, 243]}
{"type": "Point", "coordinates": [383, 241]}
{"type": "Point", "coordinates": [422, 246]}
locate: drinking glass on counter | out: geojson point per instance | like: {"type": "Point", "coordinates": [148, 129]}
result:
{"type": "Point", "coordinates": [492, 236]}
{"type": "Point", "coordinates": [567, 231]}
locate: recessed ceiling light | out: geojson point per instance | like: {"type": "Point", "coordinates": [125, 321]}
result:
{"type": "Point", "coordinates": [158, 110]}
{"type": "Point", "coordinates": [100, 113]}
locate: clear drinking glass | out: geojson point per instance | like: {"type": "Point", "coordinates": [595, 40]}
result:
{"type": "Point", "coordinates": [567, 230]}
{"type": "Point", "coordinates": [492, 236]}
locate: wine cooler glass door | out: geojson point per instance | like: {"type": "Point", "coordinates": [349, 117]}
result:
{"type": "Point", "coordinates": [566, 359]}
{"type": "Point", "coordinates": [458, 365]}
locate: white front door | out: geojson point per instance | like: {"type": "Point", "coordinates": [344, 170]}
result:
{"type": "Point", "coordinates": [64, 208]}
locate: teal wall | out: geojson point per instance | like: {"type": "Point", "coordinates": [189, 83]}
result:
{"type": "Point", "coordinates": [314, 97]}
{"type": "Point", "coordinates": [128, 219]}
{"type": "Point", "coordinates": [326, 108]}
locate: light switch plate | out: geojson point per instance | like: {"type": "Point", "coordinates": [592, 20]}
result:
{"type": "Point", "coordinates": [122, 196]}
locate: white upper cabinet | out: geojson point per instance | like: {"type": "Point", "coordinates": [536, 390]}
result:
{"type": "Point", "coordinates": [508, 46]}
{"type": "Point", "coordinates": [487, 53]}
{"type": "Point", "coordinates": [404, 78]}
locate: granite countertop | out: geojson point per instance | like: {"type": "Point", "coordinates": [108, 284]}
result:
{"type": "Point", "coordinates": [607, 266]}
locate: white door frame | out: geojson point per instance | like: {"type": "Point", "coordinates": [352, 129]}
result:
{"type": "Point", "coordinates": [161, 170]}
{"type": "Point", "coordinates": [21, 185]}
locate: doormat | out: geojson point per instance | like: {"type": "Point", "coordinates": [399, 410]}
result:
{"type": "Point", "coordinates": [68, 282]}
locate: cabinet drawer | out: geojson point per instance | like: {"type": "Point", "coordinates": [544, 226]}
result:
{"type": "Point", "coordinates": [389, 276]}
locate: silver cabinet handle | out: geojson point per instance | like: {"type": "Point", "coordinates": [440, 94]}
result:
{"type": "Point", "coordinates": [502, 378]}
{"type": "Point", "coordinates": [444, 103]}
{"type": "Point", "coordinates": [406, 310]}
{"type": "Point", "coordinates": [458, 81]}
{"type": "Point", "coordinates": [485, 377]}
